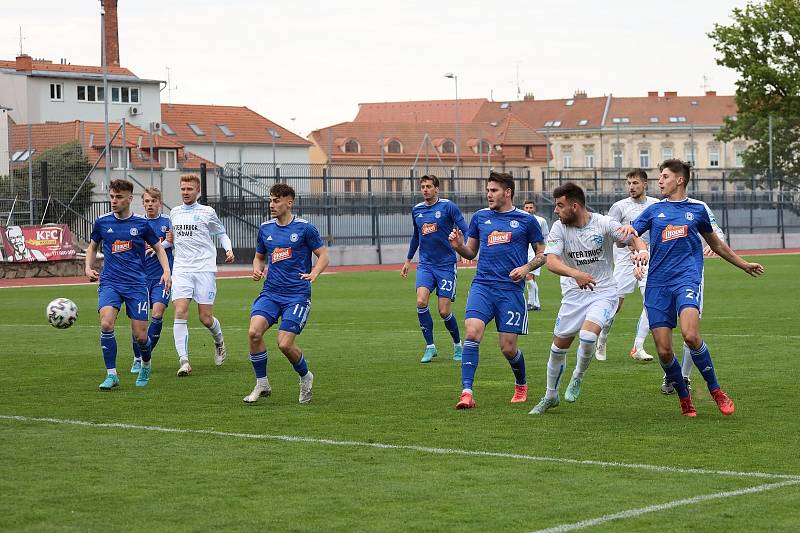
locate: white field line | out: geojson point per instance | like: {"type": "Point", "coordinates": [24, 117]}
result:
{"type": "Point", "coordinates": [633, 513]}
{"type": "Point", "coordinates": [403, 447]}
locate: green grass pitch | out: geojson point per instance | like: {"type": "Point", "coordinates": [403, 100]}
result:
{"type": "Point", "coordinates": [618, 459]}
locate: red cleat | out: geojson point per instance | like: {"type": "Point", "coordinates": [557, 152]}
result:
{"type": "Point", "coordinates": [687, 408]}
{"type": "Point", "coordinates": [724, 403]}
{"type": "Point", "coordinates": [466, 401]}
{"type": "Point", "coordinates": [520, 394]}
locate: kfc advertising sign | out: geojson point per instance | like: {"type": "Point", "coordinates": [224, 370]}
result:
{"type": "Point", "coordinates": [22, 244]}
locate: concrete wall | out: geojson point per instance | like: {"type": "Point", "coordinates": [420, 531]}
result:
{"type": "Point", "coordinates": [759, 241]}
{"type": "Point", "coordinates": [4, 155]}
{"type": "Point", "coordinates": [14, 94]}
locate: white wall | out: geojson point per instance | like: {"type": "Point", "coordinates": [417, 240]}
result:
{"type": "Point", "coordinates": [4, 155]}
{"type": "Point", "coordinates": [14, 94]}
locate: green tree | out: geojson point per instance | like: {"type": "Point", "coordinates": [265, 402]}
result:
{"type": "Point", "coordinates": [763, 46]}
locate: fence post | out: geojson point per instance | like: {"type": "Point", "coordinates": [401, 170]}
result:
{"type": "Point", "coordinates": [203, 184]}
{"type": "Point", "coordinates": [45, 193]}
{"type": "Point", "coordinates": [326, 198]}
{"type": "Point", "coordinates": [781, 222]}
{"type": "Point", "coordinates": [725, 210]}
{"type": "Point", "coordinates": [277, 174]}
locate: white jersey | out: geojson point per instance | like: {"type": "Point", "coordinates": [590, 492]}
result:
{"type": "Point", "coordinates": [194, 228]}
{"type": "Point", "coordinates": [545, 230]}
{"type": "Point", "coordinates": [588, 249]}
{"type": "Point", "coordinates": [626, 211]}
{"type": "Point", "coordinates": [714, 225]}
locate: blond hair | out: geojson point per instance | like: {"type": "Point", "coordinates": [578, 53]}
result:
{"type": "Point", "coordinates": [153, 192]}
{"type": "Point", "coordinates": [192, 178]}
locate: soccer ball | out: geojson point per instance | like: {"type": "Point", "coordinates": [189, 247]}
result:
{"type": "Point", "coordinates": [62, 313]}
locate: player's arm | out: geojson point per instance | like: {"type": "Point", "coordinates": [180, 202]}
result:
{"type": "Point", "coordinates": [724, 251]}
{"type": "Point", "coordinates": [259, 263]}
{"type": "Point", "coordinates": [707, 251]}
{"type": "Point", "coordinates": [163, 260]}
{"type": "Point", "coordinates": [322, 263]}
{"type": "Point", "coordinates": [91, 255]}
{"type": "Point", "coordinates": [217, 229]}
{"type": "Point", "coordinates": [461, 224]}
{"type": "Point", "coordinates": [535, 262]}
{"type": "Point", "coordinates": [467, 250]}
{"type": "Point", "coordinates": [412, 249]}
{"type": "Point", "coordinates": [557, 266]}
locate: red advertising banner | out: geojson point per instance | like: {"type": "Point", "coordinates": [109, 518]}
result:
{"type": "Point", "coordinates": [22, 244]}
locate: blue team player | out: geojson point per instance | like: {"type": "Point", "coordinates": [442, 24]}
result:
{"type": "Point", "coordinates": [673, 282]}
{"type": "Point", "coordinates": [159, 295]}
{"type": "Point", "coordinates": [501, 233]}
{"type": "Point", "coordinates": [434, 219]}
{"type": "Point", "coordinates": [124, 237]}
{"type": "Point", "coordinates": [287, 242]}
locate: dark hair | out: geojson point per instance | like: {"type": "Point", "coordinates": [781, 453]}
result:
{"type": "Point", "coordinates": [526, 202]}
{"type": "Point", "coordinates": [571, 191]}
{"type": "Point", "coordinates": [430, 177]}
{"type": "Point", "coordinates": [504, 179]}
{"type": "Point", "coordinates": [637, 173]}
{"type": "Point", "coordinates": [281, 190]}
{"type": "Point", "coordinates": [120, 185]}
{"type": "Point", "coordinates": [679, 168]}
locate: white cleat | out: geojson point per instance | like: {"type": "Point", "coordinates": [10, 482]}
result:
{"type": "Point", "coordinates": [600, 352]}
{"type": "Point", "coordinates": [219, 353]}
{"type": "Point", "coordinates": [640, 355]}
{"type": "Point", "coordinates": [258, 392]}
{"type": "Point", "coordinates": [306, 382]}
{"type": "Point", "coordinates": [185, 369]}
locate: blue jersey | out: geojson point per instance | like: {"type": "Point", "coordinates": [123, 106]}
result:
{"type": "Point", "coordinates": [432, 226]}
{"type": "Point", "coordinates": [123, 242]}
{"type": "Point", "coordinates": [288, 252]}
{"type": "Point", "coordinates": [676, 249]}
{"type": "Point", "coordinates": [504, 239]}
{"type": "Point", "coordinates": [160, 225]}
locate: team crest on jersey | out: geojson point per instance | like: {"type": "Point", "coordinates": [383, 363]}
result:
{"type": "Point", "coordinates": [674, 232]}
{"type": "Point", "coordinates": [429, 228]}
{"type": "Point", "coordinates": [689, 216]}
{"type": "Point", "coordinates": [280, 254]}
{"type": "Point", "coordinates": [438, 214]}
{"type": "Point", "coordinates": [498, 237]}
{"type": "Point", "coordinates": [514, 224]}
{"type": "Point", "coordinates": [121, 246]}
{"type": "Point", "coordinates": [163, 229]}
{"type": "Point", "coordinates": [598, 240]}
{"type": "Point", "coordinates": [134, 232]}
{"type": "Point", "coordinates": [293, 237]}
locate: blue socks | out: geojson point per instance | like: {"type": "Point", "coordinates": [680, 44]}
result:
{"type": "Point", "coordinates": [702, 360]}
{"type": "Point", "coordinates": [145, 350]}
{"type": "Point", "coordinates": [300, 366]}
{"type": "Point", "coordinates": [425, 324]}
{"type": "Point", "coordinates": [469, 363]}
{"type": "Point", "coordinates": [154, 331]}
{"type": "Point", "coordinates": [108, 344]}
{"type": "Point", "coordinates": [259, 361]}
{"type": "Point", "coordinates": [674, 376]}
{"type": "Point", "coordinates": [518, 366]}
{"type": "Point", "coordinates": [452, 326]}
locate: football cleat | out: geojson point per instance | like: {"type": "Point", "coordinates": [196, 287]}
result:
{"type": "Point", "coordinates": [667, 388]}
{"type": "Point", "coordinates": [600, 352]}
{"type": "Point", "coordinates": [185, 369]}
{"type": "Point", "coordinates": [458, 350]}
{"type": "Point", "coordinates": [573, 389]}
{"type": "Point", "coordinates": [258, 392]}
{"type": "Point", "coordinates": [110, 382]}
{"type": "Point", "coordinates": [466, 401]}
{"type": "Point", "coordinates": [137, 365]}
{"type": "Point", "coordinates": [429, 354]}
{"type": "Point", "coordinates": [687, 408]}
{"type": "Point", "coordinates": [219, 353]}
{"type": "Point", "coordinates": [544, 404]}
{"type": "Point", "coordinates": [144, 376]}
{"type": "Point", "coordinates": [724, 402]}
{"type": "Point", "coordinates": [306, 382]}
{"type": "Point", "coordinates": [520, 394]}
{"type": "Point", "coordinates": [638, 354]}
{"type": "Point", "coordinates": [529, 307]}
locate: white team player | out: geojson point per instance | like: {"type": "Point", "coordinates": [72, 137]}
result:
{"type": "Point", "coordinates": [530, 279]}
{"type": "Point", "coordinates": [194, 227]}
{"type": "Point", "coordinates": [579, 248]}
{"type": "Point", "coordinates": [625, 211]}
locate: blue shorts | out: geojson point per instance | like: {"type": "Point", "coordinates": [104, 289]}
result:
{"type": "Point", "coordinates": [505, 306]}
{"type": "Point", "coordinates": [137, 303]}
{"type": "Point", "coordinates": [664, 304]}
{"type": "Point", "coordinates": [292, 310]}
{"type": "Point", "coordinates": [443, 279]}
{"type": "Point", "coordinates": [157, 293]}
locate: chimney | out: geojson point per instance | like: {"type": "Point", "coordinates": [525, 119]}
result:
{"type": "Point", "coordinates": [711, 93]}
{"type": "Point", "coordinates": [24, 63]}
{"type": "Point", "coordinates": [111, 33]}
{"type": "Point", "coordinates": [528, 96]}
{"type": "Point", "coordinates": [652, 93]}
{"type": "Point", "coordinates": [580, 93]}
{"type": "Point", "coordinates": [670, 94]}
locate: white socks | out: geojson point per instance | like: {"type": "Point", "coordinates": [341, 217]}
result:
{"type": "Point", "coordinates": [642, 330]}
{"type": "Point", "coordinates": [555, 367]}
{"type": "Point", "coordinates": [585, 353]}
{"type": "Point", "coordinates": [687, 364]}
{"type": "Point", "coordinates": [533, 292]}
{"type": "Point", "coordinates": [180, 330]}
{"type": "Point", "coordinates": [216, 331]}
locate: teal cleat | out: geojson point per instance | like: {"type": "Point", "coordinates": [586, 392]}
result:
{"type": "Point", "coordinates": [573, 389]}
{"type": "Point", "coordinates": [544, 404]}
{"type": "Point", "coordinates": [458, 349]}
{"type": "Point", "coordinates": [144, 376]}
{"type": "Point", "coordinates": [137, 365]}
{"type": "Point", "coordinates": [110, 382]}
{"type": "Point", "coordinates": [429, 354]}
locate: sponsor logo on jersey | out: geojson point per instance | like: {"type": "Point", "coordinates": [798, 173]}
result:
{"type": "Point", "coordinates": [661, 215]}
{"type": "Point", "coordinates": [110, 230]}
{"type": "Point", "coordinates": [674, 232]}
{"type": "Point", "coordinates": [119, 246]}
{"type": "Point", "coordinates": [488, 222]}
{"type": "Point", "coordinates": [499, 237]}
{"type": "Point", "coordinates": [269, 238]}
{"type": "Point", "coordinates": [419, 215]}
{"type": "Point", "coordinates": [429, 228]}
{"type": "Point", "coordinates": [280, 254]}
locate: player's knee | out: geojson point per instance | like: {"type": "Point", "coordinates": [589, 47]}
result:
{"type": "Point", "coordinates": [692, 339]}
{"type": "Point", "coordinates": [141, 338]}
{"type": "Point", "coordinates": [254, 335]}
{"type": "Point", "coordinates": [422, 303]}
{"type": "Point", "coordinates": [509, 350]}
{"type": "Point", "coordinates": [589, 337]}
{"type": "Point", "coordinates": [106, 324]}
{"type": "Point", "coordinates": [444, 314]}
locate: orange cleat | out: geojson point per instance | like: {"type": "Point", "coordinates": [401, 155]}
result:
{"type": "Point", "coordinates": [520, 394]}
{"type": "Point", "coordinates": [724, 403]}
{"type": "Point", "coordinates": [687, 408]}
{"type": "Point", "coordinates": [466, 401]}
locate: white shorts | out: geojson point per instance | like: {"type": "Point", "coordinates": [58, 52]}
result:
{"type": "Point", "coordinates": [198, 286]}
{"type": "Point", "coordinates": [626, 281]}
{"type": "Point", "coordinates": [579, 306]}
{"type": "Point", "coordinates": [538, 271]}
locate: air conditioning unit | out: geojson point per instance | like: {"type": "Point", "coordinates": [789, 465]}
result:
{"type": "Point", "coordinates": [155, 127]}
{"type": "Point", "coordinates": [134, 110]}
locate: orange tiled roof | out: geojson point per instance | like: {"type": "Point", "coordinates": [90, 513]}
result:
{"type": "Point", "coordinates": [247, 126]}
{"type": "Point", "coordinates": [49, 66]}
{"type": "Point", "coordinates": [708, 109]}
{"type": "Point", "coordinates": [420, 111]}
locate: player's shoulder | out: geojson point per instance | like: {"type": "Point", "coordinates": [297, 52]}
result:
{"type": "Point", "coordinates": [650, 200]}
{"type": "Point", "coordinates": [419, 206]}
{"type": "Point", "coordinates": [482, 213]}
{"type": "Point", "coordinates": [105, 216]}
{"type": "Point", "coordinates": [695, 201]}
{"type": "Point", "coordinates": [619, 204]}
{"type": "Point", "coordinates": [268, 222]}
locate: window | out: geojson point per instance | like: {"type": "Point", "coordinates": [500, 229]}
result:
{"type": "Point", "coordinates": [90, 93]}
{"type": "Point", "coordinates": [166, 129]}
{"type": "Point", "coordinates": [352, 147]}
{"type": "Point", "coordinates": [394, 185]}
{"type": "Point", "coordinates": [394, 147]}
{"type": "Point", "coordinates": [667, 153]}
{"type": "Point", "coordinates": [556, 123]}
{"type": "Point", "coordinates": [57, 92]}
{"type": "Point", "coordinates": [566, 159]}
{"type": "Point", "coordinates": [120, 158]}
{"type": "Point", "coordinates": [352, 185]}
{"type": "Point", "coordinates": [196, 129]}
{"type": "Point", "coordinates": [125, 95]}
{"type": "Point", "coordinates": [620, 120]}
{"type": "Point", "coordinates": [504, 105]}
{"type": "Point", "coordinates": [677, 119]}
{"type": "Point", "coordinates": [690, 152]}
{"type": "Point", "coordinates": [448, 147]}
{"type": "Point", "coordinates": [22, 155]}
{"type": "Point", "coordinates": [168, 159]}
{"type": "Point", "coordinates": [644, 158]}
{"type": "Point", "coordinates": [484, 147]}
{"type": "Point", "coordinates": [528, 151]}
{"type": "Point", "coordinates": [617, 156]}
{"type": "Point", "coordinates": [569, 102]}
{"type": "Point", "coordinates": [552, 124]}
{"type": "Point", "coordinates": [653, 120]}
{"type": "Point", "coordinates": [588, 158]}
{"type": "Point", "coordinates": [713, 156]}
{"type": "Point", "coordinates": [738, 156]}
{"type": "Point", "coordinates": [583, 122]}
{"type": "Point", "coordinates": [225, 130]}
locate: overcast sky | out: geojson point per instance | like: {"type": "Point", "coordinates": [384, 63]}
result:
{"type": "Point", "coordinates": [307, 64]}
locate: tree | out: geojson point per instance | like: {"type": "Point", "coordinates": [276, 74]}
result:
{"type": "Point", "coordinates": [763, 46]}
